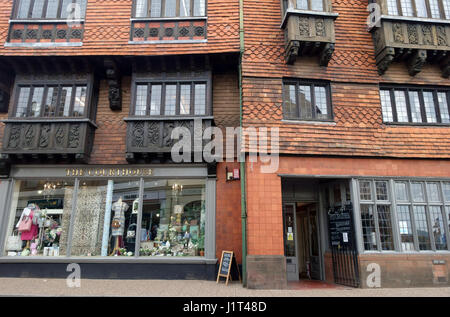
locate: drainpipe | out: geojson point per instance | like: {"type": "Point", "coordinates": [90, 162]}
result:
{"type": "Point", "coordinates": [242, 164]}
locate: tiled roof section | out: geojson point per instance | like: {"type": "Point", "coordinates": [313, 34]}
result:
{"type": "Point", "coordinates": [107, 32]}
{"type": "Point", "coordinates": [358, 129]}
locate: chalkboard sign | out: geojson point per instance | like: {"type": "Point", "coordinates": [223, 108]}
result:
{"type": "Point", "coordinates": [225, 266]}
{"type": "Point", "coordinates": [340, 225]}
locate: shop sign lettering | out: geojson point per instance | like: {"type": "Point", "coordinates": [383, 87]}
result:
{"type": "Point", "coordinates": [108, 172]}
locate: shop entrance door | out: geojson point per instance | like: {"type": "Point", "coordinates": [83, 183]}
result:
{"type": "Point", "coordinates": [290, 245]}
{"type": "Point", "coordinates": [308, 241]}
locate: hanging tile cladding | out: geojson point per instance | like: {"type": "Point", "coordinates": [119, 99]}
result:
{"type": "Point", "coordinates": [358, 129]}
{"type": "Point", "coordinates": [107, 32]}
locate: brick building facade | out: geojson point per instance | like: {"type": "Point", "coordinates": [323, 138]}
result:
{"type": "Point", "coordinates": [90, 92]}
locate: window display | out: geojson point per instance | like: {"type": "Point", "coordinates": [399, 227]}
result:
{"type": "Point", "coordinates": [101, 218]}
{"type": "Point", "coordinates": [36, 225]}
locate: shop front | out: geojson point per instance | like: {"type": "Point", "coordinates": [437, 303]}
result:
{"type": "Point", "coordinates": [114, 221]}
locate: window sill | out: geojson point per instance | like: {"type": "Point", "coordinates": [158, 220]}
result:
{"type": "Point", "coordinates": [145, 19]}
{"type": "Point", "coordinates": [313, 122]}
{"type": "Point", "coordinates": [168, 118]}
{"type": "Point", "coordinates": [48, 120]}
{"type": "Point", "coordinates": [169, 42]}
{"type": "Point", "coordinates": [416, 124]}
{"type": "Point", "coordinates": [45, 45]}
{"type": "Point", "coordinates": [45, 21]}
{"type": "Point", "coordinates": [99, 260]}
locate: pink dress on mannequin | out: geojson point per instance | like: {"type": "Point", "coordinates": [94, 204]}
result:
{"type": "Point", "coordinates": [30, 235]}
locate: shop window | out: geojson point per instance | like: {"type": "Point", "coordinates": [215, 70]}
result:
{"type": "Point", "coordinates": [105, 218]}
{"type": "Point", "coordinates": [415, 105]}
{"type": "Point", "coordinates": [307, 101]}
{"type": "Point", "coordinates": [47, 204]}
{"type": "Point", "coordinates": [51, 101]}
{"type": "Point", "coordinates": [49, 9]}
{"type": "Point", "coordinates": [420, 8]}
{"type": "Point", "coordinates": [171, 99]}
{"type": "Point", "coordinates": [169, 8]}
{"type": "Point", "coordinates": [421, 215]}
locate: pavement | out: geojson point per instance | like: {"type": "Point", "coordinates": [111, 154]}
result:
{"type": "Point", "coordinates": [194, 288]}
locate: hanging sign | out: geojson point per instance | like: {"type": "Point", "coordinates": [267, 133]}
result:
{"type": "Point", "coordinates": [225, 266]}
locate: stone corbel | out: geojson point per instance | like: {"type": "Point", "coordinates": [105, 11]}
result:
{"type": "Point", "coordinates": [445, 67]}
{"type": "Point", "coordinates": [416, 62]}
{"type": "Point", "coordinates": [114, 82]}
{"type": "Point", "coordinates": [326, 54]}
{"type": "Point", "coordinates": [384, 59]}
{"type": "Point", "coordinates": [292, 52]}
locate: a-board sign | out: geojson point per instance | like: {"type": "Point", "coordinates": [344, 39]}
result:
{"type": "Point", "coordinates": [226, 262]}
{"type": "Point", "coordinates": [340, 225]}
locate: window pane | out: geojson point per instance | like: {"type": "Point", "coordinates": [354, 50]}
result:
{"type": "Point", "coordinates": [405, 227]}
{"type": "Point", "coordinates": [434, 6]}
{"type": "Point", "coordinates": [385, 226]}
{"type": "Point", "coordinates": [430, 110]}
{"type": "Point", "coordinates": [392, 7]}
{"type": "Point", "coordinates": [170, 9]}
{"type": "Point", "coordinates": [37, 9]}
{"type": "Point", "coordinates": [407, 9]}
{"type": "Point", "coordinates": [321, 103]}
{"type": "Point", "coordinates": [438, 227]}
{"type": "Point", "coordinates": [381, 189]}
{"type": "Point", "coordinates": [305, 102]}
{"type": "Point", "coordinates": [302, 4]}
{"type": "Point", "coordinates": [421, 8]}
{"type": "Point", "coordinates": [48, 203]}
{"type": "Point", "coordinates": [364, 190]}
{"type": "Point", "coordinates": [317, 5]}
{"type": "Point", "coordinates": [66, 8]}
{"type": "Point", "coordinates": [421, 223]}
{"type": "Point", "coordinates": [51, 102]}
{"type": "Point", "coordinates": [185, 8]}
{"type": "Point", "coordinates": [171, 99]}
{"type": "Point", "coordinates": [401, 192]}
{"type": "Point", "coordinates": [22, 103]}
{"type": "Point", "coordinates": [185, 99]}
{"type": "Point", "coordinates": [80, 102]}
{"type": "Point", "coordinates": [290, 103]}
{"type": "Point", "coordinates": [173, 218]}
{"type": "Point", "coordinates": [155, 102]}
{"type": "Point", "coordinates": [36, 101]}
{"type": "Point", "coordinates": [416, 111]}
{"type": "Point", "coordinates": [433, 191]}
{"type": "Point", "coordinates": [155, 11]}
{"type": "Point", "coordinates": [447, 9]}
{"type": "Point", "coordinates": [417, 192]}
{"type": "Point", "coordinates": [82, 4]}
{"type": "Point", "coordinates": [447, 191]}
{"type": "Point", "coordinates": [443, 107]}
{"type": "Point", "coordinates": [200, 99]}
{"type": "Point", "coordinates": [52, 9]}
{"type": "Point", "coordinates": [64, 104]}
{"type": "Point", "coordinates": [23, 9]}
{"type": "Point", "coordinates": [199, 8]}
{"type": "Point", "coordinates": [400, 103]}
{"type": "Point", "coordinates": [368, 227]}
{"type": "Point", "coordinates": [386, 105]}
{"type": "Point", "coordinates": [141, 8]}
{"type": "Point", "coordinates": [141, 100]}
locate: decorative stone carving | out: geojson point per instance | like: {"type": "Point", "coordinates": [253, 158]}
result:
{"type": "Point", "coordinates": [114, 81]}
{"type": "Point", "coordinates": [14, 137]}
{"type": "Point", "coordinates": [427, 34]}
{"type": "Point", "coordinates": [441, 35]}
{"type": "Point", "coordinates": [60, 135]}
{"type": "Point", "coordinates": [397, 32]}
{"type": "Point", "coordinates": [74, 136]}
{"type": "Point", "coordinates": [137, 134]}
{"type": "Point", "coordinates": [29, 136]}
{"type": "Point", "coordinates": [153, 133]}
{"type": "Point", "coordinates": [416, 62]}
{"type": "Point", "coordinates": [413, 37]}
{"type": "Point", "coordinates": [303, 26]}
{"type": "Point", "coordinates": [326, 55]}
{"type": "Point", "coordinates": [320, 27]}
{"type": "Point", "coordinates": [44, 140]}
{"type": "Point", "coordinates": [167, 134]}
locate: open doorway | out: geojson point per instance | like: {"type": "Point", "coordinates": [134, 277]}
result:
{"type": "Point", "coordinates": [302, 241]}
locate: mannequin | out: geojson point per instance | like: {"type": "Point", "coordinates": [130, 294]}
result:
{"type": "Point", "coordinates": [119, 209]}
{"type": "Point", "coordinates": [31, 211]}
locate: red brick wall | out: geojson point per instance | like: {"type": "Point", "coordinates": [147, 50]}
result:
{"type": "Point", "coordinates": [107, 32]}
{"type": "Point", "coordinates": [264, 198]}
{"type": "Point", "coordinates": [228, 213]}
{"type": "Point", "coordinates": [358, 129]}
